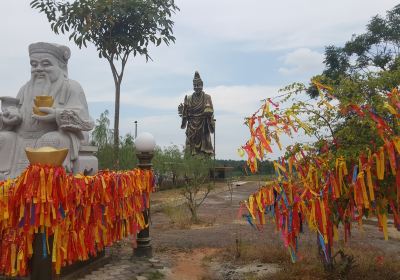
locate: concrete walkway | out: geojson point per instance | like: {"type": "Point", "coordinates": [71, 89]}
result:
{"type": "Point", "coordinates": [122, 266]}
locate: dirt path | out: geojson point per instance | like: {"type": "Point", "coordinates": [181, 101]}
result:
{"type": "Point", "coordinates": [226, 247]}
{"type": "Point", "coordinates": [190, 251]}
{"type": "Point", "coordinates": [190, 266]}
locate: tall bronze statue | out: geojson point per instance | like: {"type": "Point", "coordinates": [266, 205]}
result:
{"type": "Point", "coordinates": [198, 118]}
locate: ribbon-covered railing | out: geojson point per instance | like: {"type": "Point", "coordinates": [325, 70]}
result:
{"type": "Point", "coordinates": [316, 186]}
{"type": "Point", "coordinates": [81, 214]}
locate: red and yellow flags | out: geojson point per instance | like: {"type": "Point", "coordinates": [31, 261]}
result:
{"type": "Point", "coordinates": [326, 191]}
{"type": "Point", "coordinates": [83, 214]}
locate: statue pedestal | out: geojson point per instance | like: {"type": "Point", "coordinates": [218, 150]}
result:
{"type": "Point", "coordinates": [220, 173]}
{"type": "Point", "coordinates": [87, 163]}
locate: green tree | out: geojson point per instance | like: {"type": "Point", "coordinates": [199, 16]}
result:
{"type": "Point", "coordinates": [127, 153]}
{"type": "Point", "coordinates": [174, 162]}
{"type": "Point", "coordinates": [168, 162]}
{"type": "Point", "coordinates": [377, 48]}
{"type": "Point", "coordinates": [102, 138]}
{"type": "Point", "coordinates": [159, 166]}
{"type": "Point", "coordinates": [197, 185]}
{"type": "Point", "coordinates": [361, 72]}
{"type": "Point", "coordinates": [370, 55]}
{"type": "Point", "coordinates": [118, 29]}
{"type": "Point", "coordinates": [102, 134]}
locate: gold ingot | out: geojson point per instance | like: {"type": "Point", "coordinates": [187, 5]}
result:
{"type": "Point", "coordinates": [44, 97]}
{"type": "Point", "coordinates": [36, 111]}
{"type": "Point", "coordinates": [44, 102]}
{"type": "Point", "coordinates": [46, 155]}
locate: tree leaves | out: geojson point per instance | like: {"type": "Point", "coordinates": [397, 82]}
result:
{"type": "Point", "coordinates": [378, 48]}
{"type": "Point", "coordinates": [115, 28]}
{"type": "Point", "coordinates": [112, 26]}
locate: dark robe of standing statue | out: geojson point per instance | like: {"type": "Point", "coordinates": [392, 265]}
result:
{"type": "Point", "coordinates": [198, 118]}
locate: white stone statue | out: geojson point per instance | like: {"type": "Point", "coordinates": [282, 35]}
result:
{"type": "Point", "coordinates": [65, 124]}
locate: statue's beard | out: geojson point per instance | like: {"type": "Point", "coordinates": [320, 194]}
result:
{"type": "Point", "coordinates": [41, 86]}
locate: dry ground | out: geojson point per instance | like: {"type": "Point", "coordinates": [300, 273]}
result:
{"type": "Point", "coordinates": [225, 247]}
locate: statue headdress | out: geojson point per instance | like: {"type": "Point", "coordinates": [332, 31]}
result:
{"type": "Point", "coordinates": [197, 77]}
{"type": "Point", "coordinates": [62, 53]}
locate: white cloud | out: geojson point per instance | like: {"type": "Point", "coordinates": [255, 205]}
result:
{"type": "Point", "coordinates": [302, 61]}
{"type": "Point", "coordinates": [286, 24]}
{"type": "Point", "coordinates": [241, 100]}
{"type": "Point", "coordinates": [231, 105]}
{"type": "Point", "coordinates": [238, 99]}
{"type": "Point", "coordinates": [201, 27]}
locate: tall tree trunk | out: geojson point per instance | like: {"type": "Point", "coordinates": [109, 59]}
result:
{"type": "Point", "coordinates": [116, 123]}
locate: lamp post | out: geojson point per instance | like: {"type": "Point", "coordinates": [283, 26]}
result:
{"type": "Point", "coordinates": [135, 129]}
{"type": "Point", "coordinates": [145, 145]}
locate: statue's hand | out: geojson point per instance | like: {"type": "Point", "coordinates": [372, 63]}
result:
{"type": "Point", "coordinates": [51, 114]}
{"type": "Point", "coordinates": [11, 117]}
{"type": "Point", "coordinates": [208, 111]}
{"type": "Point", "coordinates": [180, 109]}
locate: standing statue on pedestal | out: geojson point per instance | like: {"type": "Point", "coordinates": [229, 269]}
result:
{"type": "Point", "coordinates": [63, 124]}
{"type": "Point", "coordinates": [198, 118]}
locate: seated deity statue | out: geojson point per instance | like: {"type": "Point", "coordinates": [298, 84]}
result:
{"type": "Point", "coordinates": [64, 124]}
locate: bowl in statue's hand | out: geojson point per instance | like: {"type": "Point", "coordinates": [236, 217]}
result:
{"type": "Point", "coordinates": [46, 155]}
{"type": "Point", "coordinates": [43, 97]}
{"type": "Point", "coordinates": [44, 102]}
{"type": "Point", "coordinates": [36, 111]}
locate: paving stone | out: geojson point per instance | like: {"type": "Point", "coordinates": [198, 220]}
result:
{"type": "Point", "coordinates": [157, 266]}
{"type": "Point", "coordinates": [124, 266]}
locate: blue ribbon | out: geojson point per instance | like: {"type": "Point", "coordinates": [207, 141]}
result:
{"type": "Point", "coordinates": [290, 221]}
{"type": "Point", "coordinates": [322, 242]}
{"type": "Point", "coordinates": [62, 212]}
{"type": "Point", "coordinates": [44, 245]}
{"type": "Point", "coordinates": [33, 208]}
{"type": "Point", "coordinates": [355, 172]}
{"type": "Point", "coordinates": [248, 218]}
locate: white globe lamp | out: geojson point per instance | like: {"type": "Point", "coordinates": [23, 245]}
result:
{"type": "Point", "coordinates": [145, 143]}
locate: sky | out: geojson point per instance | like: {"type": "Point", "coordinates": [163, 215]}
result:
{"type": "Point", "coordinates": [245, 51]}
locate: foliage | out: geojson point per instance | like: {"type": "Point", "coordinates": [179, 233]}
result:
{"type": "Point", "coordinates": [371, 57]}
{"type": "Point", "coordinates": [197, 186]}
{"type": "Point", "coordinates": [178, 216]}
{"type": "Point", "coordinates": [362, 72]}
{"type": "Point", "coordinates": [377, 48]}
{"type": "Point", "coordinates": [102, 138]}
{"type": "Point", "coordinates": [350, 169]}
{"type": "Point", "coordinates": [102, 134]}
{"type": "Point", "coordinates": [195, 171]}
{"type": "Point", "coordinates": [117, 29]}
{"type": "Point", "coordinates": [168, 163]}
{"type": "Point", "coordinates": [127, 153]}
{"type": "Point", "coordinates": [266, 167]}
